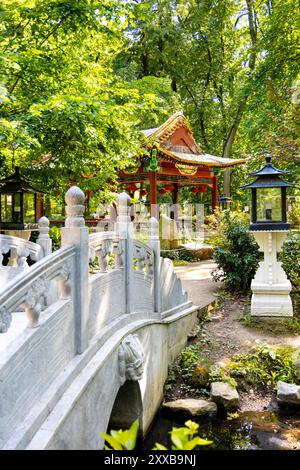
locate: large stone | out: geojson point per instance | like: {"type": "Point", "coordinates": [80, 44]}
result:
{"type": "Point", "coordinates": [224, 394]}
{"type": "Point", "coordinates": [288, 393]}
{"type": "Point", "coordinates": [199, 251]}
{"type": "Point", "coordinates": [192, 406]}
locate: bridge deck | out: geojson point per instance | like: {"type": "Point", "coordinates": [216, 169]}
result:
{"type": "Point", "coordinates": [198, 283]}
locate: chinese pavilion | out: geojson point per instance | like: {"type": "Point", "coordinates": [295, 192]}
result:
{"type": "Point", "coordinates": [172, 159]}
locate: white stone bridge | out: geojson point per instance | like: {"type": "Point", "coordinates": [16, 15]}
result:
{"type": "Point", "coordinates": [88, 332]}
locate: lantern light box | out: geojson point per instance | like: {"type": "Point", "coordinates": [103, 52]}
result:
{"type": "Point", "coordinates": [18, 203]}
{"type": "Point", "coordinates": [268, 211]}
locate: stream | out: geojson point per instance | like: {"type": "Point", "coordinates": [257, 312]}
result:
{"type": "Point", "coordinates": [251, 430]}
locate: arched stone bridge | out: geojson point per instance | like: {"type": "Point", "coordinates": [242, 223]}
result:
{"type": "Point", "coordinates": [106, 315]}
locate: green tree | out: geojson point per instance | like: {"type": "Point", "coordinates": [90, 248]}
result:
{"type": "Point", "coordinates": [65, 113]}
{"type": "Point", "coordinates": [234, 64]}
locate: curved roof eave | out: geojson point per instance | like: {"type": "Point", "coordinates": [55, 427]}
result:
{"type": "Point", "coordinates": [202, 159]}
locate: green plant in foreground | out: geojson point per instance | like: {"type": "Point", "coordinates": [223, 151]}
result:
{"type": "Point", "coordinates": [122, 440]}
{"type": "Point", "coordinates": [184, 438]}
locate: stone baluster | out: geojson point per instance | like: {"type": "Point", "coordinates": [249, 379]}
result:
{"type": "Point", "coordinates": [44, 239]}
{"type": "Point", "coordinates": [76, 233]}
{"type": "Point", "coordinates": [125, 233]}
{"type": "Point", "coordinates": [154, 243]}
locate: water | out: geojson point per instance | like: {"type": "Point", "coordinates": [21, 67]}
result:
{"type": "Point", "coordinates": [264, 430]}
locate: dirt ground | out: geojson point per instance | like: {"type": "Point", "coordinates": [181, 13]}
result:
{"type": "Point", "coordinates": [224, 335]}
{"type": "Point", "coordinates": [227, 336]}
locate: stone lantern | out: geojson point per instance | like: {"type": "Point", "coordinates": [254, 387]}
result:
{"type": "Point", "coordinates": [224, 202]}
{"type": "Point", "coordinates": [270, 286]}
{"type": "Point", "coordinates": [18, 206]}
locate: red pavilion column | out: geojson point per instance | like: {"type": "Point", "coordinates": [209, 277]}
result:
{"type": "Point", "coordinates": [215, 193]}
{"type": "Point", "coordinates": [153, 194]}
{"type": "Point", "coordinates": [175, 201]}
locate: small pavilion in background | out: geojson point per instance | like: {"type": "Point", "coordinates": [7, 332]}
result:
{"type": "Point", "coordinates": [174, 159]}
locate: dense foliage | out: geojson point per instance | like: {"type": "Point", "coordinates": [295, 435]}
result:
{"type": "Point", "coordinates": [266, 365]}
{"type": "Point", "coordinates": [235, 65]}
{"type": "Point", "coordinates": [290, 257]}
{"type": "Point", "coordinates": [65, 113]}
{"type": "Point", "coordinates": [235, 251]}
{"type": "Point", "coordinates": [79, 79]}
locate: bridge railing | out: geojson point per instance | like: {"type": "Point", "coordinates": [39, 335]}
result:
{"type": "Point", "coordinates": [112, 273]}
{"type": "Point", "coordinates": [105, 248]}
{"type": "Point", "coordinates": [16, 251]}
{"type": "Point", "coordinates": [32, 291]}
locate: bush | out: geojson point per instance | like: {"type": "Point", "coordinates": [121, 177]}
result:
{"type": "Point", "coordinates": [55, 235]}
{"type": "Point", "coordinates": [266, 364]}
{"type": "Point", "coordinates": [290, 258]}
{"type": "Point", "coordinates": [294, 215]}
{"type": "Point", "coordinates": [235, 252]}
{"type": "Point", "coordinates": [179, 255]}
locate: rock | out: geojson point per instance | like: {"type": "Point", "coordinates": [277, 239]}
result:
{"type": "Point", "coordinates": [200, 376]}
{"type": "Point", "coordinates": [288, 393]}
{"type": "Point", "coordinates": [281, 444]}
{"type": "Point", "coordinates": [224, 394]}
{"type": "Point", "coordinates": [192, 406]}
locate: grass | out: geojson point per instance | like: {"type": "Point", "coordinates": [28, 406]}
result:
{"type": "Point", "coordinates": [180, 262]}
{"type": "Point", "coordinates": [276, 325]}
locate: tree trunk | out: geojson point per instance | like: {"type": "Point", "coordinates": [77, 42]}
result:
{"type": "Point", "coordinates": [227, 149]}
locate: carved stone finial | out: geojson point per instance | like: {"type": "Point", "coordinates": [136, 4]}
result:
{"type": "Point", "coordinates": [123, 204]}
{"type": "Point", "coordinates": [75, 207]}
{"type": "Point", "coordinates": [44, 227]}
{"type": "Point", "coordinates": [74, 196]}
{"type": "Point", "coordinates": [131, 359]}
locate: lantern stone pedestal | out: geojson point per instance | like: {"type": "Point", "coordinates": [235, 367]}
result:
{"type": "Point", "coordinates": [271, 287]}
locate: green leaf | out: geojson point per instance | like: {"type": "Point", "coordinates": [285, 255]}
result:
{"type": "Point", "coordinates": [112, 441]}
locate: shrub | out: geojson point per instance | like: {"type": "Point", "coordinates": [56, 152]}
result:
{"type": "Point", "coordinates": [55, 235]}
{"type": "Point", "coordinates": [235, 252]}
{"type": "Point", "coordinates": [266, 364]}
{"type": "Point", "coordinates": [179, 255]}
{"type": "Point", "coordinates": [294, 215]}
{"type": "Point", "coordinates": [290, 257]}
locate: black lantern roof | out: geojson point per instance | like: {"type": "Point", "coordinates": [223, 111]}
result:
{"type": "Point", "coordinates": [17, 184]}
{"type": "Point", "coordinates": [268, 177]}
{"type": "Point", "coordinates": [224, 199]}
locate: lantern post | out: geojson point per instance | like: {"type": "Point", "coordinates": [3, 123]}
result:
{"type": "Point", "coordinates": [18, 206]}
{"type": "Point", "coordinates": [270, 286]}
